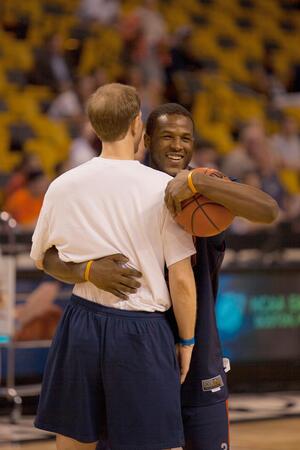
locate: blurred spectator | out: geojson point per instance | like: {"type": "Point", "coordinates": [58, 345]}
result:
{"type": "Point", "coordinates": [265, 79]}
{"type": "Point", "coordinates": [204, 155]}
{"type": "Point", "coordinates": [50, 65]}
{"type": "Point", "coordinates": [69, 105]}
{"type": "Point", "coordinates": [25, 203]}
{"type": "Point", "coordinates": [18, 178]}
{"type": "Point", "coordinates": [70, 102]}
{"type": "Point", "coordinates": [286, 144]}
{"type": "Point", "coordinates": [66, 104]}
{"type": "Point", "coordinates": [243, 226]}
{"type": "Point", "coordinates": [271, 183]}
{"type": "Point", "coordinates": [252, 151]}
{"type": "Point", "coordinates": [100, 77]}
{"type": "Point", "coordinates": [105, 12]}
{"type": "Point", "coordinates": [182, 70]}
{"type": "Point", "coordinates": [84, 147]}
{"type": "Point", "coordinates": [254, 154]}
{"type": "Point", "coordinates": [292, 97]}
{"type": "Point", "coordinates": [145, 38]}
{"type": "Point", "coordinates": [150, 92]}
{"type": "Point", "coordinates": [152, 22]}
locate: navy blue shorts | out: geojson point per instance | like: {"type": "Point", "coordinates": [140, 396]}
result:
{"type": "Point", "coordinates": [113, 374]}
{"type": "Point", "coordinates": [206, 427]}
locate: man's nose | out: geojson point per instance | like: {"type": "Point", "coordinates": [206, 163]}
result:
{"type": "Point", "coordinates": [177, 144]}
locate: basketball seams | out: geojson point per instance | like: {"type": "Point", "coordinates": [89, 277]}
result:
{"type": "Point", "coordinates": [205, 213]}
{"type": "Point", "coordinates": [214, 218]}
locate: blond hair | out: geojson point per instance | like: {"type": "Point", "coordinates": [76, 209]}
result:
{"type": "Point", "coordinates": [111, 109]}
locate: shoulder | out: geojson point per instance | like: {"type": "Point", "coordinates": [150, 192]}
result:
{"type": "Point", "coordinates": [157, 175]}
{"type": "Point", "coordinates": [69, 179]}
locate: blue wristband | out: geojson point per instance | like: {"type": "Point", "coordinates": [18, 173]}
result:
{"type": "Point", "coordinates": [187, 341]}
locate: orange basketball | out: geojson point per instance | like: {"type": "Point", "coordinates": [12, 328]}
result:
{"type": "Point", "coordinates": [202, 217]}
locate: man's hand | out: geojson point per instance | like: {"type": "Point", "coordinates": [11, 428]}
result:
{"type": "Point", "coordinates": [111, 275]}
{"type": "Point", "coordinates": [184, 355]}
{"type": "Point", "coordinates": [177, 190]}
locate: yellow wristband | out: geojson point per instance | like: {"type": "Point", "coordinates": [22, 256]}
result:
{"type": "Point", "coordinates": [190, 183]}
{"type": "Point", "coordinates": [87, 270]}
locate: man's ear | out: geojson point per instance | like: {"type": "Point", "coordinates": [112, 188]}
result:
{"type": "Point", "coordinates": [135, 124]}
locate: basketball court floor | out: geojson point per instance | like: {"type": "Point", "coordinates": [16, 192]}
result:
{"type": "Point", "coordinates": [281, 434]}
{"type": "Point", "coordinates": [269, 421]}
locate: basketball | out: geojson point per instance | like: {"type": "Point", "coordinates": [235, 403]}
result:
{"type": "Point", "coordinates": [202, 217]}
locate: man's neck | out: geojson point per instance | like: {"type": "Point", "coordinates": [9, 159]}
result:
{"type": "Point", "coordinates": [122, 150]}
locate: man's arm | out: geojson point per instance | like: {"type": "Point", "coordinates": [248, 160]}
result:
{"type": "Point", "coordinates": [108, 273]}
{"type": "Point", "coordinates": [242, 200]}
{"type": "Point", "coordinates": [183, 294]}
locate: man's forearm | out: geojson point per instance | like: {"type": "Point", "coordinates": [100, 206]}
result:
{"type": "Point", "coordinates": [183, 294]}
{"type": "Point", "coordinates": [67, 272]}
{"type": "Point", "coordinates": [242, 200]}
{"type": "Point", "coordinates": [109, 273]}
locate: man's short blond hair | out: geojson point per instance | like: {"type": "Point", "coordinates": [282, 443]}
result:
{"type": "Point", "coordinates": [111, 109]}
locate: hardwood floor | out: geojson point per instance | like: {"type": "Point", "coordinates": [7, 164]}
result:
{"type": "Point", "coordinates": [283, 434]}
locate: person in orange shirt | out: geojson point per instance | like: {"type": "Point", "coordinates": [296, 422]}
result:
{"type": "Point", "coordinates": [25, 203]}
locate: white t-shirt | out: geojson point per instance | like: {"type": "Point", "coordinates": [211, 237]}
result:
{"type": "Point", "coordinates": [109, 206]}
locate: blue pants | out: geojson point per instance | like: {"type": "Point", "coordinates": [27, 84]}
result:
{"type": "Point", "coordinates": [206, 427]}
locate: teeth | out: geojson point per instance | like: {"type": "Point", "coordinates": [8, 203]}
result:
{"type": "Point", "coordinates": [175, 157]}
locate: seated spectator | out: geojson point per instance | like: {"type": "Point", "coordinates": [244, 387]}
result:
{"type": "Point", "coordinates": [25, 203]}
{"type": "Point", "coordinates": [66, 104]}
{"type": "Point", "coordinates": [145, 40]}
{"type": "Point", "coordinates": [243, 226]}
{"type": "Point", "coordinates": [286, 144]}
{"type": "Point", "coordinates": [152, 22]}
{"type": "Point", "coordinates": [50, 65]}
{"type": "Point", "coordinates": [17, 179]}
{"type": "Point", "coordinates": [84, 147]}
{"type": "Point", "coordinates": [265, 79]}
{"type": "Point", "coordinates": [272, 185]}
{"type": "Point", "coordinates": [182, 70]}
{"type": "Point", "coordinates": [70, 102]}
{"type": "Point", "coordinates": [150, 92]}
{"type": "Point", "coordinates": [253, 149]}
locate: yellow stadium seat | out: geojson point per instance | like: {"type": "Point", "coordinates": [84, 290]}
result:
{"type": "Point", "coordinates": [219, 134]}
{"type": "Point", "coordinates": [290, 180]}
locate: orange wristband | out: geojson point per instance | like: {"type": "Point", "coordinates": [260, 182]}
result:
{"type": "Point", "coordinates": [190, 183]}
{"type": "Point", "coordinates": [87, 270]}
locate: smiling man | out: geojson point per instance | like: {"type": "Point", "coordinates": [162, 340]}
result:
{"type": "Point", "coordinates": [170, 138]}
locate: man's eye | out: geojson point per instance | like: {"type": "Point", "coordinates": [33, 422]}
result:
{"type": "Point", "coordinates": [167, 137]}
{"type": "Point", "coordinates": [186, 139]}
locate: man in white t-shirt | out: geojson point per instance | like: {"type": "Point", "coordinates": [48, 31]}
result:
{"type": "Point", "coordinates": [112, 368]}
